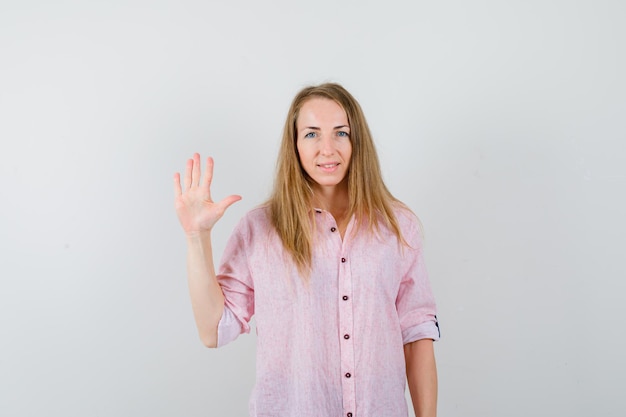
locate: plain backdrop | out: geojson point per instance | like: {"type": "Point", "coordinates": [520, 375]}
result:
{"type": "Point", "coordinates": [500, 123]}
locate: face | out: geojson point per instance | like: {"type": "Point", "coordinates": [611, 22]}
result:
{"type": "Point", "coordinates": [323, 142]}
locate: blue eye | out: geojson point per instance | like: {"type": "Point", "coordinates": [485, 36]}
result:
{"type": "Point", "coordinates": [343, 134]}
{"type": "Point", "coordinates": [310, 135]}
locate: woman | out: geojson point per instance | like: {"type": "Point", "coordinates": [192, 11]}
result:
{"type": "Point", "coordinates": [331, 267]}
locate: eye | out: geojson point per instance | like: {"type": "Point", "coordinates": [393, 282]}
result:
{"type": "Point", "coordinates": [343, 134]}
{"type": "Point", "coordinates": [310, 135]}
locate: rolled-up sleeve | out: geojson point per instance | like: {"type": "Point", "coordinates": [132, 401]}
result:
{"type": "Point", "coordinates": [415, 303]}
{"type": "Point", "coordinates": [229, 328]}
{"type": "Point", "coordinates": [236, 281]}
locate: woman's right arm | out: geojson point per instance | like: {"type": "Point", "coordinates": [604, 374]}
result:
{"type": "Point", "coordinates": [198, 214]}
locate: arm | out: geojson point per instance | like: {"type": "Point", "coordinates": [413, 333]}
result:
{"type": "Point", "coordinates": [198, 214]}
{"type": "Point", "coordinates": [207, 299]}
{"type": "Point", "coordinates": [421, 372]}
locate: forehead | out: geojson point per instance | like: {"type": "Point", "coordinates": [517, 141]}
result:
{"type": "Point", "coordinates": [319, 112]}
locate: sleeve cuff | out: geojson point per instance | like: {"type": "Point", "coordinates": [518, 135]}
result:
{"type": "Point", "coordinates": [426, 330]}
{"type": "Point", "coordinates": [228, 328]}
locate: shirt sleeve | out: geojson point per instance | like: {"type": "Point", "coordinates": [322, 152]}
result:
{"type": "Point", "coordinates": [236, 281]}
{"type": "Point", "coordinates": [415, 303]}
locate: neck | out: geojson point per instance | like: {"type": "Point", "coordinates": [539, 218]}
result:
{"type": "Point", "coordinates": [333, 199]}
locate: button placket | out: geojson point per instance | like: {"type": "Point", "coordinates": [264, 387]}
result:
{"type": "Point", "coordinates": [346, 325]}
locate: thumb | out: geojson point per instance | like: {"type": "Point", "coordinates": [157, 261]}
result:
{"type": "Point", "coordinates": [228, 201]}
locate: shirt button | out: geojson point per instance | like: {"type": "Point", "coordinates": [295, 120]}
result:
{"type": "Point", "coordinates": [349, 415]}
{"type": "Point", "coordinates": [343, 260]}
{"type": "Point", "coordinates": [348, 375]}
{"type": "Point", "coordinates": [345, 298]}
{"type": "Point", "coordinates": [333, 229]}
{"type": "Point", "coordinates": [346, 336]}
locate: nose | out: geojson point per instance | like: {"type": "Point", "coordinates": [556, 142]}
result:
{"type": "Point", "coordinates": [327, 146]}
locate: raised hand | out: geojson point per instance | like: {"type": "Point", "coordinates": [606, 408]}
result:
{"type": "Point", "coordinates": [196, 211]}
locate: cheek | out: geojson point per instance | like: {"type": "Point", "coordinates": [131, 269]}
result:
{"type": "Point", "coordinates": [347, 151]}
{"type": "Point", "coordinates": [298, 149]}
{"type": "Point", "coordinates": [304, 152]}
{"type": "Point", "coordinates": [302, 158]}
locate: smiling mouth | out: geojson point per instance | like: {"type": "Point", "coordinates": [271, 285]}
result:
{"type": "Point", "coordinates": [328, 166]}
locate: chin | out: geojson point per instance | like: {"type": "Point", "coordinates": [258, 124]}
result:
{"type": "Point", "coordinates": [328, 182]}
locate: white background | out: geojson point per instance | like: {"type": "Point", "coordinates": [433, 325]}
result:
{"type": "Point", "coordinates": [501, 123]}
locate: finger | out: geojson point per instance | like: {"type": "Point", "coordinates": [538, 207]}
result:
{"type": "Point", "coordinates": [177, 189]}
{"type": "Point", "coordinates": [228, 201]}
{"type": "Point", "coordinates": [187, 177]}
{"type": "Point", "coordinates": [195, 173]}
{"type": "Point", "coordinates": [208, 175]}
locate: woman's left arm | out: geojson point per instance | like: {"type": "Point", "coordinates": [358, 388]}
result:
{"type": "Point", "coordinates": [421, 372]}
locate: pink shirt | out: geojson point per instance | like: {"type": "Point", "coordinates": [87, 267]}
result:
{"type": "Point", "coordinates": [334, 346]}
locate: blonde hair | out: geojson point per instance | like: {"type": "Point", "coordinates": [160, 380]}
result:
{"type": "Point", "coordinates": [290, 204]}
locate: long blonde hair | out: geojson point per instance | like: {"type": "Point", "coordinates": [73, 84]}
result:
{"type": "Point", "coordinates": [290, 204]}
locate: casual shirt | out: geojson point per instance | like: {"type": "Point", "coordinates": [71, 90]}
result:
{"type": "Point", "coordinates": [330, 344]}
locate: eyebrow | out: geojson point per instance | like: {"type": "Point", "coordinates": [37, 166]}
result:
{"type": "Point", "coordinates": [334, 128]}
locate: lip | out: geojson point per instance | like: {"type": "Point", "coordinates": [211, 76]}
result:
{"type": "Point", "coordinates": [330, 167]}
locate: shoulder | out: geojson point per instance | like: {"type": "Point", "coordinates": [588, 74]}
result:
{"type": "Point", "coordinates": [255, 220]}
{"type": "Point", "coordinates": [409, 224]}
{"type": "Point", "coordinates": [405, 217]}
{"type": "Point", "coordinates": [259, 214]}
{"type": "Point", "coordinates": [255, 233]}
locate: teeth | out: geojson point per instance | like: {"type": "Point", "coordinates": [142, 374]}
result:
{"type": "Point", "coordinates": [328, 165]}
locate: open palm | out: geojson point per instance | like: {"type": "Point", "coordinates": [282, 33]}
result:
{"type": "Point", "coordinates": [196, 211]}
